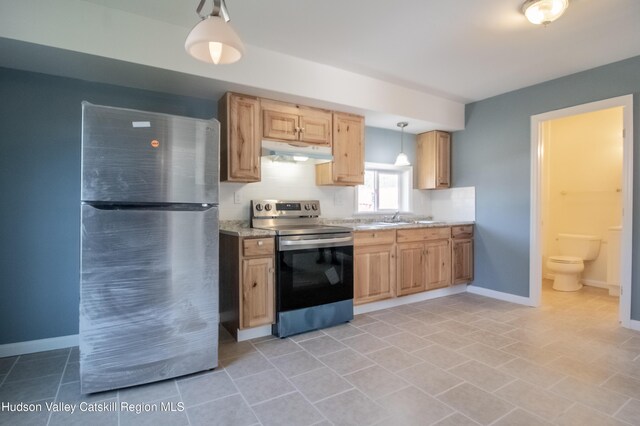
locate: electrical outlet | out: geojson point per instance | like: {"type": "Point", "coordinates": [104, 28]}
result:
{"type": "Point", "coordinates": [338, 199]}
{"type": "Point", "coordinates": [237, 198]}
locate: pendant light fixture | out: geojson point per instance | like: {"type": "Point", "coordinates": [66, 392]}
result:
{"type": "Point", "coordinates": [402, 159]}
{"type": "Point", "coordinates": [544, 11]}
{"type": "Point", "coordinates": [213, 40]}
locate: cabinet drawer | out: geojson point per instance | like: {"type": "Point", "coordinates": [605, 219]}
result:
{"type": "Point", "coordinates": [258, 246]}
{"type": "Point", "coordinates": [371, 238]}
{"type": "Point", "coordinates": [422, 234]}
{"type": "Point", "coordinates": [462, 231]}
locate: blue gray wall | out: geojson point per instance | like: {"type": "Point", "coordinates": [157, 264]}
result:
{"type": "Point", "coordinates": [493, 154]}
{"type": "Point", "coordinates": [383, 145]}
{"type": "Point", "coordinates": [40, 119]}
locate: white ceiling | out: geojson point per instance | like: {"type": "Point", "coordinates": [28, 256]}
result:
{"type": "Point", "coordinates": [464, 50]}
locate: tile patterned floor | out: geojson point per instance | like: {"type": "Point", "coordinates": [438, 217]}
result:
{"type": "Point", "coordinates": [459, 360]}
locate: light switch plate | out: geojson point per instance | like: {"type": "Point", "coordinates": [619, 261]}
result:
{"type": "Point", "coordinates": [237, 198]}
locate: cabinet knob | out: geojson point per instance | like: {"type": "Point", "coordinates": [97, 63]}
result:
{"type": "Point", "coordinates": [255, 285]}
{"type": "Point", "coordinates": [302, 129]}
{"type": "Point", "coordinates": [260, 243]}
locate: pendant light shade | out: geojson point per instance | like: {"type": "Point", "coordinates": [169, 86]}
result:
{"type": "Point", "coordinates": [402, 159]}
{"type": "Point", "coordinates": [213, 39]}
{"type": "Point", "coordinates": [544, 11]}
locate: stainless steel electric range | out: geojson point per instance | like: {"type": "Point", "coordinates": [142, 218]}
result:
{"type": "Point", "coordinates": [314, 265]}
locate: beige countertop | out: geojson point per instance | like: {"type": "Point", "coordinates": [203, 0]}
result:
{"type": "Point", "coordinates": [241, 228]}
{"type": "Point", "coordinates": [377, 225]}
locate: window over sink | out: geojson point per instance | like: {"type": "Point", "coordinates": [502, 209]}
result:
{"type": "Point", "coordinates": [386, 189]}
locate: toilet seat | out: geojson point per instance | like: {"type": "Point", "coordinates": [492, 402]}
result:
{"type": "Point", "coordinates": [571, 260]}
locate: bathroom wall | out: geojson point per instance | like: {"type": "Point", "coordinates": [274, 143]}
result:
{"type": "Point", "coordinates": [582, 182]}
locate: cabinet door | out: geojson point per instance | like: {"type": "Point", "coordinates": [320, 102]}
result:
{"type": "Point", "coordinates": [462, 262]}
{"type": "Point", "coordinates": [280, 125]}
{"type": "Point", "coordinates": [257, 304]}
{"type": "Point", "coordinates": [443, 160]}
{"type": "Point", "coordinates": [348, 149]}
{"type": "Point", "coordinates": [243, 143]}
{"type": "Point", "coordinates": [315, 127]}
{"type": "Point", "coordinates": [374, 273]}
{"type": "Point", "coordinates": [438, 264]}
{"type": "Point", "coordinates": [411, 268]}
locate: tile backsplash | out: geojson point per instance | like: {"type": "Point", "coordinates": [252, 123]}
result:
{"type": "Point", "coordinates": [453, 204]}
{"type": "Point", "coordinates": [282, 180]}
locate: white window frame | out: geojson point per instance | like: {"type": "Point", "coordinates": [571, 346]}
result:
{"type": "Point", "coordinates": [405, 174]}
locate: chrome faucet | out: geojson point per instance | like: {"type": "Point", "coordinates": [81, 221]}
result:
{"type": "Point", "coordinates": [394, 218]}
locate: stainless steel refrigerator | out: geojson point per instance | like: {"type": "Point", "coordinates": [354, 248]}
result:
{"type": "Point", "coordinates": [149, 247]}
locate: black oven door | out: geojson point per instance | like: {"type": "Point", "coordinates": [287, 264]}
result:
{"type": "Point", "coordinates": [314, 270]}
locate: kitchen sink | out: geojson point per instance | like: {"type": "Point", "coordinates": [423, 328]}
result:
{"type": "Point", "coordinates": [390, 223]}
{"type": "Point", "coordinates": [427, 222]}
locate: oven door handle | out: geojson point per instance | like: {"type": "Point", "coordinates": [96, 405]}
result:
{"type": "Point", "coordinates": [288, 245]}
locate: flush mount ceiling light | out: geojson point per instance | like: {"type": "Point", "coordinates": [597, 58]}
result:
{"type": "Point", "coordinates": [402, 159]}
{"type": "Point", "coordinates": [213, 40]}
{"type": "Point", "coordinates": [544, 11]}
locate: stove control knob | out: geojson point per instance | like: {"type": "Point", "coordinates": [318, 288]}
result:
{"type": "Point", "coordinates": [267, 207]}
{"type": "Point", "coordinates": [314, 206]}
{"type": "Point", "coordinates": [307, 206]}
{"type": "Point", "coordinates": [259, 207]}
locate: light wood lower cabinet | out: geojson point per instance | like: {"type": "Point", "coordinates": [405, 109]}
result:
{"type": "Point", "coordinates": [438, 264]}
{"type": "Point", "coordinates": [247, 282]}
{"type": "Point", "coordinates": [257, 292]}
{"type": "Point", "coordinates": [426, 259]}
{"type": "Point", "coordinates": [411, 268]}
{"type": "Point", "coordinates": [374, 266]}
{"type": "Point", "coordinates": [462, 254]}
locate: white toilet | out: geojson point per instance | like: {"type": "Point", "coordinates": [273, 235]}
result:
{"type": "Point", "coordinates": [574, 251]}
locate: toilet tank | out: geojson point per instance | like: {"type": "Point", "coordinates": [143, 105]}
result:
{"type": "Point", "coordinates": [585, 247]}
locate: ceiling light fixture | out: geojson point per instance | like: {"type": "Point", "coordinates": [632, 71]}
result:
{"type": "Point", "coordinates": [544, 11]}
{"type": "Point", "coordinates": [402, 159]}
{"type": "Point", "coordinates": [213, 40]}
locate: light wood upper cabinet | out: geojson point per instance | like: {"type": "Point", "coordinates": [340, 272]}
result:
{"type": "Point", "coordinates": [291, 123]}
{"type": "Point", "coordinates": [347, 167]}
{"type": "Point", "coordinates": [279, 125]}
{"type": "Point", "coordinates": [462, 254]}
{"type": "Point", "coordinates": [433, 160]}
{"type": "Point", "coordinates": [257, 292]}
{"type": "Point", "coordinates": [240, 138]}
{"type": "Point", "coordinates": [374, 266]}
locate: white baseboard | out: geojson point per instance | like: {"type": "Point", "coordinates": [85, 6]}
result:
{"type": "Point", "coordinates": [634, 325]}
{"type": "Point", "coordinates": [254, 333]}
{"type": "Point", "coordinates": [412, 298]}
{"type": "Point", "coordinates": [595, 283]}
{"type": "Point", "coordinates": [31, 346]}
{"type": "Point", "coordinates": [481, 291]}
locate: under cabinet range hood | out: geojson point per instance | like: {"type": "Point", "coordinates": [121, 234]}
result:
{"type": "Point", "coordinates": [283, 151]}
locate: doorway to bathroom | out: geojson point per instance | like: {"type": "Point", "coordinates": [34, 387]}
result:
{"type": "Point", "coordinates": [581, 201]}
